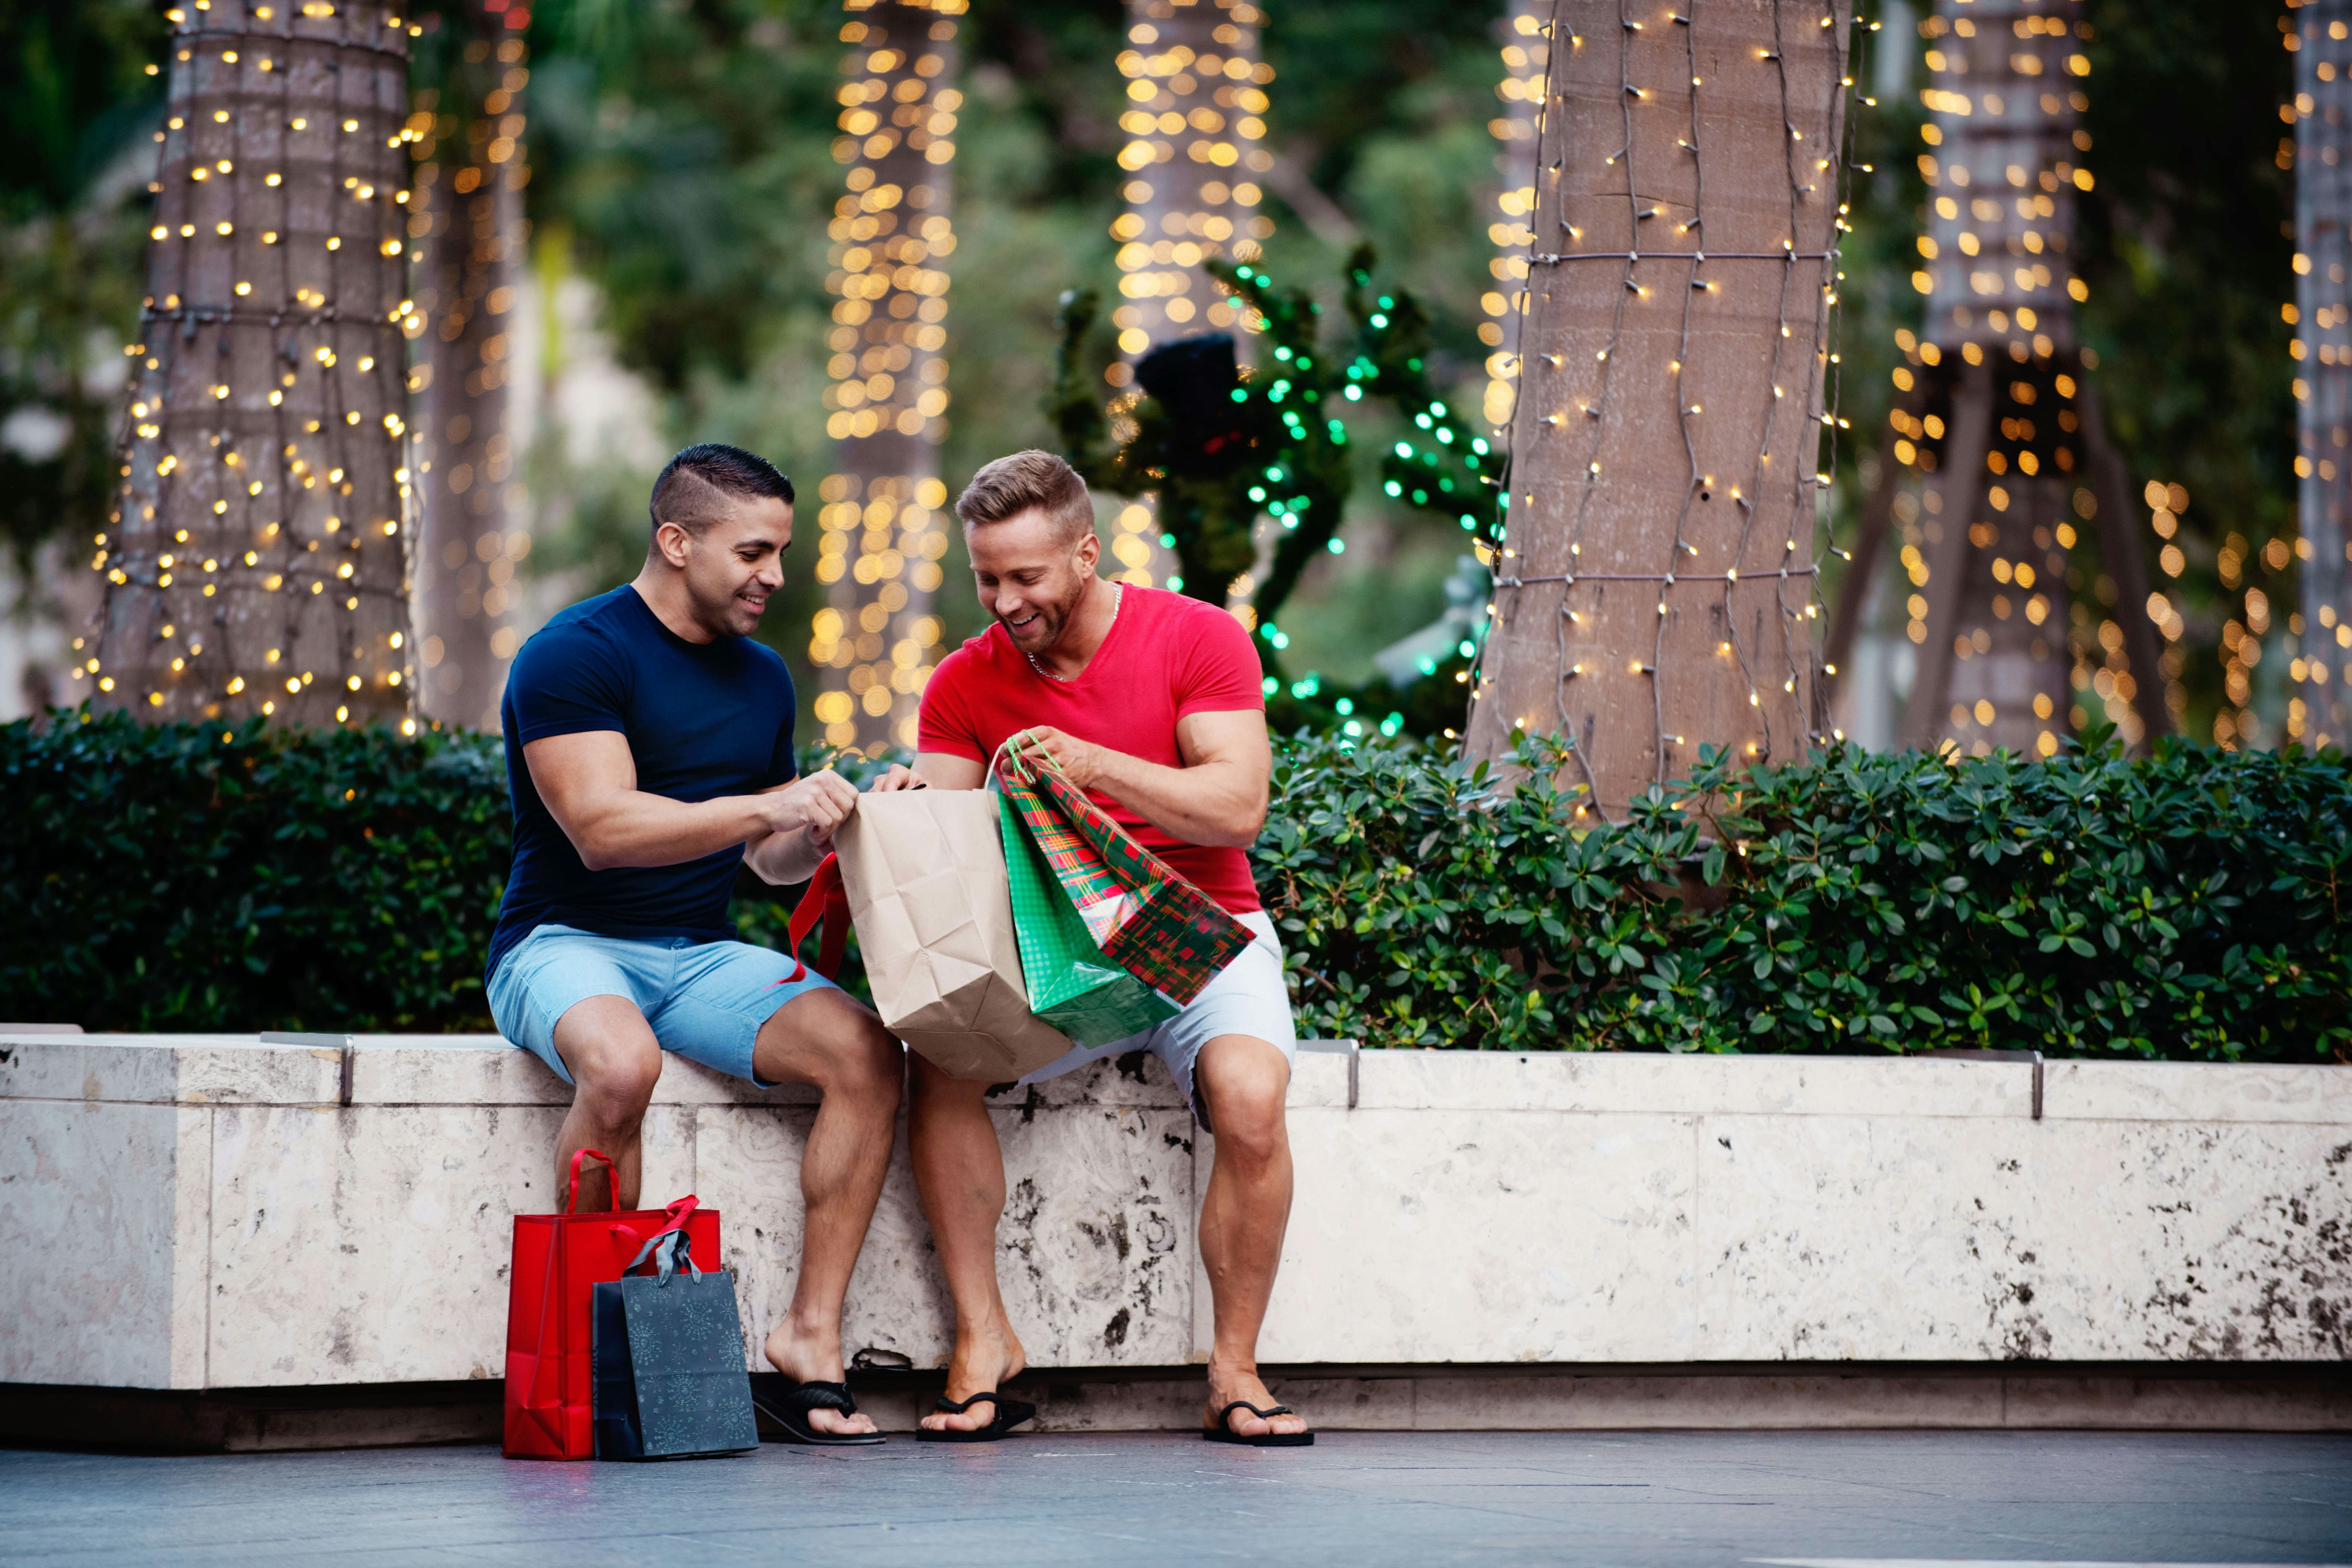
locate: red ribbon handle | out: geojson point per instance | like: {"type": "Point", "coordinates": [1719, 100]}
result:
{"type": "Point", "coordinates": [826, 898]}
{"type": "Point", "coordinates": [677, 1210]}
{"type": "Point", "coordinates": [612, 1198]}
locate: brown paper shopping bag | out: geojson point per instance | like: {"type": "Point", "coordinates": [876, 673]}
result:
{"type": "Point", "coordinates": [924, 870]}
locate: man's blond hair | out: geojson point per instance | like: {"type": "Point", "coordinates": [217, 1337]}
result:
{"type": "Point", "coordinates": [1026, 480]}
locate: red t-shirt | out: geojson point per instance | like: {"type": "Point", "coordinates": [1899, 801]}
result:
{"type": "Point", "coordinates": [1166, 656]}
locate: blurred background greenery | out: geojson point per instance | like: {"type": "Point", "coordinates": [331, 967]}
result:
{"type": "Point", "coordinates": [681, 177]}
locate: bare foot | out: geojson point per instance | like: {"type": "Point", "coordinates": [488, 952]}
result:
{"type": "Point", "coordinates": [984, 1360]}
{"type": "Point", "coordinates": [1227, 1384]}
{"type": "Point", "coordinates": [807, 1355]}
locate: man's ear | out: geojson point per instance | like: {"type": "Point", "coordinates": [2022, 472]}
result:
{"type": "Point", "coordinates": [670, 542]}
{"type": "Point", "coordinates": [1089, 551]}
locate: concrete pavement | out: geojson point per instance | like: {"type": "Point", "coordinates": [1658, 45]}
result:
{"type": "Point", "coordinates": [1139, 1499]}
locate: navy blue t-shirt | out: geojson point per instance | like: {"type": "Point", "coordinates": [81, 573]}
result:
{"type": "Point", "coordinates": [702, 720]}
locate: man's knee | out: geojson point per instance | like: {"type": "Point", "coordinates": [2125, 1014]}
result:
{"type": "Point", "coordinates": [839, 1045]}
{"type": "Point", "coordinates": [1245, 1083]}
{"type": "Point", "coordinates": [614, 1059]}
{"type": "Point", "coordinates": [872, 1064]}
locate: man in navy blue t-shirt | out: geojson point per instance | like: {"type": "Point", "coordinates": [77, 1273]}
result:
{"type": "Point", "coordinates": [649, 751]}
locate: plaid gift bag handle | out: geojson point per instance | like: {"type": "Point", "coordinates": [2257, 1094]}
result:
{"type": "Point", "coordinates": [1146, 918]}
{"type": "Point", "coordinates": [1104, 900]}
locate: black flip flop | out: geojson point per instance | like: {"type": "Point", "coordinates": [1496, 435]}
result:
{"type": "Point", "coordinates": [791, 1409]}
{"type": "Point", "coordinates": [1224, 1432]}
{"type": "Point", "coordinates": [1010, 1413]}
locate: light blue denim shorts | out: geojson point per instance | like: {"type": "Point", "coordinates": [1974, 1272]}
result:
{"type": "Point", "coordinates": [706, 1000]}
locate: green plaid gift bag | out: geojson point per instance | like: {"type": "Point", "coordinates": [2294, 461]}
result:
{"type": "Point", "coordinates": [1141, 916]}
{"type": "Point", "coordinates": [1071, 984]}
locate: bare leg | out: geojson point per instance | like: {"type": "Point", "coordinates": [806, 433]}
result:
{"type": "Point", "coordinates": [826, 1039]}
{"type": "Point", "coordinates": [614, 1062]}
{"type": "Point", "coordinates": [1244, 1081]}
{"type": "Point", "coordinates": [959, 1171]}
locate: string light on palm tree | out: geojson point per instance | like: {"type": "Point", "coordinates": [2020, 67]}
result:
{"type": "Point", "coordinates": [883, 511]}
{"type": "Point", "coordinates": [1999, 421]}
{"type": "Point", "coordinates": [1676, 411]}
{"type": "Point", "coordinates": [254, 561]}
{"type": "Point", "coordinates": [2321, 663]}
{"type": "Point", "coordinates": [1195, 115]}
{"type": "Point", "coordinates": [1999, 340]}
{"type": "Point", "coordinates": [1527, 57]}
{"type": "Point", "coordinates": [1194, 118]}
{"type": "Point", "coordinates": [468, 229]}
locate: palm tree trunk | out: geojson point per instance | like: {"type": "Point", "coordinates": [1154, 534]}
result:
{"type": "Point", "coordinates": [469, 181]}
{"type": "Point", "coordinates": [255, 565]}
{"type": "Point", "coordinates": [883, 509]}
{"type": "Point", "coordinates": [1655, 590]}
{"type": "Point", "coordinates": [1193, 181]}
{"type": "Point", "coordinates": [2003, 394]}
{"type": "Point", "coordinates": [2323, 386]}
{"type": "Point", "coordinates": [1526, 54]}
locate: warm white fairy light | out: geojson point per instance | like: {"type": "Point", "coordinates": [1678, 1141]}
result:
{"type": "Point", "coordinates": [468, 230]}
{"type": "Point", "coordinates": [255, 558]}
{"type": "Point", "coordinates": [1627, 307]}
{"type": "Point", "coordinates": [1985, 545]}
{"type": "Point", "coordinates": [1527, 54]}
{"type": "Point", "coordinates": [2002, 175]}
{"type": "Point", "coordinates": [2320, 646]}
{"type": "Point", "coordinates": [1195, 115]}
{"type": "Point", "coordinates": [883, 512]}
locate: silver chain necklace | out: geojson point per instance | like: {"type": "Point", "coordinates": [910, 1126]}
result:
{"type": "Point", "coordinates": [1117, 597]}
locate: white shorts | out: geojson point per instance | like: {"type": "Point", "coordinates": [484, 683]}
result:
{"type": "Point", "coordinates": [1247, 997]}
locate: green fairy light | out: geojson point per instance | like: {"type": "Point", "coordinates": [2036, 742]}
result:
{"type": "Point", "coordinates": [1226, 468]}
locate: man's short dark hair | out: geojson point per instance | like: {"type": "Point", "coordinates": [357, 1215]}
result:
{"type": "Point", "coordinates": [1010, 486]}
{"type": "Point", "coordinates": [693, 490]}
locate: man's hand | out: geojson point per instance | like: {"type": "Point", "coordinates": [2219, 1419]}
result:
{"type": "Point", "coordinates": [820, 803]}
{"type": "Point", "coordinates": [1082, 762]}
{"type": "Point", "coordinates": [897, 776]}
{"type": "Point", "coordinates": [1216, 796]}
{"type": "Point", "coordinates": [589, 782]}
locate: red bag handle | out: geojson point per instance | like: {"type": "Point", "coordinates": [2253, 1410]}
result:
{"type": "Point", "coordinates": [678, 1210]}
{"type": "Point", "coordinates": [612, 1198]}
{"type": "Point", "coordinates": [828, 899]}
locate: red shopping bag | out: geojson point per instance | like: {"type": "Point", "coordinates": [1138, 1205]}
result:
{"type": "Point", "coordinates": [559, 1260]}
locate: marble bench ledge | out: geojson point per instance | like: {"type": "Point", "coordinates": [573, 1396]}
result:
{"type": "Point", "coordinates": [216, 1219]}
{"type": "Point", "coordinates": [485, 1070]}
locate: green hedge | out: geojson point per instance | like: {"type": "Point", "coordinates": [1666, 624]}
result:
{"type": "Point", "coordinates": [181, 877]}
{"type": "Point", "coordinates": [193, 877]}
{"type": "Point", "coordinates": [2190, 906]}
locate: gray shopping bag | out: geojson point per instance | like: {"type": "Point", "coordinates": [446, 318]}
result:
{"type": "Point", "coordinates": [669, 1349]}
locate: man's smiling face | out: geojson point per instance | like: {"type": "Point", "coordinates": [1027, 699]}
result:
{"type": "Point", "coordinates": [733, 565]}
{"type": "Point", "coordinates": [1031, 575]}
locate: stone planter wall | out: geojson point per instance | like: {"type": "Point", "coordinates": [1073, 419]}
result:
{"type": "Point", "coordinates": [215, 1213]}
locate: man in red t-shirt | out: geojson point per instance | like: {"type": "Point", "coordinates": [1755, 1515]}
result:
{"type": "Point", "coordinates": [1151, 702]}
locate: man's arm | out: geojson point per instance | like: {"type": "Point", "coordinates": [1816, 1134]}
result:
{"type": "Point", "coordinates": [1217, 797]}
{"type": "Point", "coordinates": [941, 770]}
{"type": "Point", "coordinates": [589, 782]}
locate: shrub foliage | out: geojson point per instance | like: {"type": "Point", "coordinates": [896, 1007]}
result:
{"type": "Point", "coordinates": [2189, 905]}
{"type": "Point", "coordinates": [186, 876]}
